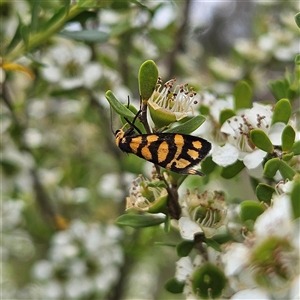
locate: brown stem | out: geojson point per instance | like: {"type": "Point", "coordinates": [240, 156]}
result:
{"type": "Point", "coordinates": [173, 206]}
{"type": "Point", "coordinates": [179, 40]}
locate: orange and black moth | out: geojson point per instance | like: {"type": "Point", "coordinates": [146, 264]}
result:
{"type": "Point", "coordinates": [174, 151]}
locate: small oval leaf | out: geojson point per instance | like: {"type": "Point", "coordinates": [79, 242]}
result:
{"type": "Point", "coordinates": [261, 140]}
{"type": "Point", "coordinates": [188, 126]}
{"type": "Point", "coordinates": [282, 111]}
{"type": "Point", "coordinates": [184, 248]}
{"type": "Point", "coordinates": [295, 199]}
{"type": "Point", "coordinates": [242, 95]}
{"type": "Point", "coordinates": [250, 210]}
{"type": "Point", "coordinates": [232, 170]}
{"type": "Point", "coordinates": [148, 75]}
{"type": "Point", "coordinates": [271, 167]}
{"type": "Point", "coordinates": [288, 138]}
{"type": "Point", "coordinates": [288, 156]}
{"type": "Point", "coordinates": [174, 286]}
{"type": "Point", "coordinates": [118, 107]}
{"type": "Point", "coordinates": [286, 171]}
{"type": "Point", "coordinates": [295, 148]}
{"type": "Point", "coordinates": [297, 19]}
{"type": "Point", "coordinates": [264, 192]}
{"type": "Point", "coordinates": [225, 115]}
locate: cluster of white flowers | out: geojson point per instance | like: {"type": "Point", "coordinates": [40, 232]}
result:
{"type": "Point", "coordinates": [265, 265]}
{"type": "Point", "coordinates": [82, 260]}
{"type": "Point", "coordinates": [239, 146]}
{"type": "Point", "coordinates": [69, 66]}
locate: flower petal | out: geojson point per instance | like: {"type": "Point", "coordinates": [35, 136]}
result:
{"type": "Point", "coordinates": [188, 228]}
{"type": "Point", "coordinates": [226, 155]}
{"type": "Point", "coordinates": [254, 159]}
{"type": "Point", "coordinates": [276, 132]}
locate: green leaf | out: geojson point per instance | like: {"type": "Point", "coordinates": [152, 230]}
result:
{"type": "Point", "coordinates": [242, 95]}
{"type": "Point", "coordinates": [148, 75]}
{"type": "Point", "coordinates": [232, 170]}
{"type": "Point", "coordinates": [117, 106]}
{"type": "Point", "coordinates": [288, 156]}
{"type": "Point", "coordinates": [189, 126]}
{"type": "Point", "coordinates": [184, 248]}
{"type": "Point", "coordinates": [282, 111]}
{"type": "Point", "coordinates": [24, 31]}
{"type": "Point", "coordinates": [225, 115]}
{"type": "Point", "coordinates": [90, 36]}
{"type": "Point", "coordinates": [250, 210]}
{"type": "Point", "coordinates": [295, 199]}
{"type": "Point", "coordinates": [264, 192]}
{"type": "Point", "coordinates": [213, 244]}
{"type": "Point", "coordinates": [87, 3]}
{"type": "Point", "coordinates": [167, 224]}
{"type": "Point", "coordinates": [204, 110]}
{"type": "Point", "coordinates": [297, 19]}
{"type": "Point", "coordinates": [208, 165]}
{"type": "Point", "coordinates": [58, 16]}
{"type": "Point", "coordinates": [295, 148]}
{"type": "Point", "coordinates": [208, 281]}
{"type": "Point", "coordinates": [271, 167]}
{"type": "Point", "coordinates": [261, 140]}
{"type": "Point", "coordinates": [84, 16]}
{"type": "Point", "coordinates": [34, 16]}
{"type": "Point", "coordinates": [15, 40]}
{"type": "Point", "coordinates": [278, 88]}
{"type": "Point", "coordinates": [139, 221]}
{"type": "Point", "coordinates": [288, 138]}
{"type": "Point", "coordinates": [174, 286]}
{"type": "Point", "coordinates": [286, 171]}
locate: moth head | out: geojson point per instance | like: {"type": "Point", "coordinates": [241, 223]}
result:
{"type": "Point", "coordinates": [119, 134]}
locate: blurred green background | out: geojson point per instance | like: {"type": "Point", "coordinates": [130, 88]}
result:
{"type": "Point", "coordinates": [64, 181]}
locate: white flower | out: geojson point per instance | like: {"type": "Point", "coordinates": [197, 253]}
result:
{"type": "Point", "coordinates": [235, 257]}
{"type": "Point", "coordinates": [210, 130]}
{"type": "Point", "coordinates": [225, 69]}
{"type": "Point", "coordinates": [202, 213]}
{"type": "Point", "coordinates": [78, 257]}
{"type": "Point", "coordinates": [238, 130]}
{"type": "Point", "coordinates": [276, 220]}
{"type": "Point", "coordinates": [168, 104]}
{"type": "Point", "coordinates": [185, 268]}
{"type": "Point", "coordinates": [268, 259]}
{"type": "Point", "coordinates": [69, 65]}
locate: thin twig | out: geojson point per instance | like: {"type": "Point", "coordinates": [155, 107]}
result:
{"type": "Point", "coordinates": [173, 206]}
{"type": "Point", "coordinates": [179, 40]}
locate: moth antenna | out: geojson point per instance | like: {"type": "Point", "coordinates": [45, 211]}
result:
{"type": "Point", "coordinates": [128, 101]}
{"type": "Point", "coordinates": [133, 121]}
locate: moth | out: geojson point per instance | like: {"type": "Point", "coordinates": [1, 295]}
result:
{"type": "Point", "coordinates": [174, 151]}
